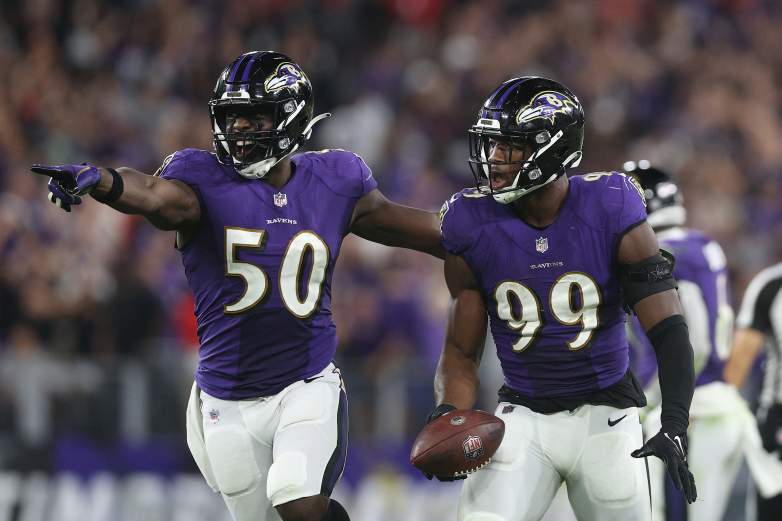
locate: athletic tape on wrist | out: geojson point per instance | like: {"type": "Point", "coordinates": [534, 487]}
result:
{"type": "Point", "coordinates": [114, 193]}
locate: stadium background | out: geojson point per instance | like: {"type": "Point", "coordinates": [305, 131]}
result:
{"type": "Point", "coordinates": [97, 339]}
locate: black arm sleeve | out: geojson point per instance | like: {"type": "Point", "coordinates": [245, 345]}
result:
{"type": "Point", "coordinates": [671, 341]}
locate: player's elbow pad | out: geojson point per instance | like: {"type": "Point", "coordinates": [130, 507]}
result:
{"type": "Point", "coordinates": [647, 277]}
{"type": "Point", "coordinates": [671, 341]}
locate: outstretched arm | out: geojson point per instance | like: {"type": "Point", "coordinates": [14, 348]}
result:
{"type": "Point", "coordinates": [377, 219]}
{"type": "Point", "coordinates": [167, 204]}
{"type": "Point", "coordinates": [456, 379]}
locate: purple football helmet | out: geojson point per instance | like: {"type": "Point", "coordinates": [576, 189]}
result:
{"type": "Point", "coordinates": [265, 82]}
{"type": "Point", "coordinates": [532, 113]}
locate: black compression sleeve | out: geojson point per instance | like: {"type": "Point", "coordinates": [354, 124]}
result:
{"type": "Point", "coordinates": [671, 341]}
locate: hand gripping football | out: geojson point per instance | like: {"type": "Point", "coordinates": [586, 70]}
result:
{"type": "Point", "coordinates": [457, 443]}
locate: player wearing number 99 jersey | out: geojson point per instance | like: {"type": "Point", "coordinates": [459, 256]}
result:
{"type": "Point", "coordinates": [554, 303]}
{"type": "Point", "coordinates": [552, 261]}
{"type": "Point", "coordinates": [259, 232]}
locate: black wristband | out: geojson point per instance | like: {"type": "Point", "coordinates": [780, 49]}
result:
{"type": "Point", "coordinates": [117, 187]}
{"type": "Point", "coordinates": [676, 372]}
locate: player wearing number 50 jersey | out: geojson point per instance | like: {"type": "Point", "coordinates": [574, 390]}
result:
{"type": "Point", "coordinates": [259, 232]}
{"type": "Point", "coordinates": [552, 261]}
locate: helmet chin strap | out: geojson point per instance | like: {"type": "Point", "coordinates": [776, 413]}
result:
{"type": "Point", "coordinates": [308, 129]}
{"type": "Point", "coordinates": [259, 169]}
{"type": "Point", "coordinates": [511, 195]}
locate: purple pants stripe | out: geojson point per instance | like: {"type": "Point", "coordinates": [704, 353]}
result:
{"type": "Point", "coordinates": [336, 463]}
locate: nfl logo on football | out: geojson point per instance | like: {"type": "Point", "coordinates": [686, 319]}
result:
{"type": "Point", "coordinates": [541, 244]}
{"type": "Point", "coordinates": [280, 199]}
{"type": "Point", "coordinates": [473, 447]}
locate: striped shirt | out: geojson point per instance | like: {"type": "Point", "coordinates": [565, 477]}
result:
{"type": "Point", "coordinates": [762, 310]}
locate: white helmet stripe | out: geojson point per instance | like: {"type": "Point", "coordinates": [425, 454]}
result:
{"type": "Point", "coordinates": [287, 120]}
{"type": "Point", "coordinates": [512, 192]}
{"type": "Point", "coordinates": [539, 152]}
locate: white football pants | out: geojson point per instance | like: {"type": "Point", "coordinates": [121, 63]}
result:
{"type": "Point", "coordinates": [589, 449]}
{"type": "Point", "coordinates": [264, 452]}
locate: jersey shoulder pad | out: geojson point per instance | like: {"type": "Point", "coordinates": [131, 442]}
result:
{"type": "Point", "coordinates": [458, 217]}
{"type": "Point", "coordinates": [616, 198]}
{"type": "Point", "coordinates": [343, 172]}
{"type": "Point", "coordinates": [190, 165]}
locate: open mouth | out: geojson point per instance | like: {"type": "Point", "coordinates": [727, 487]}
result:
{"type": "Point", "coordinates": [498, 184]}
{"type": "Point", "coordinates": [500, 180]}
{"type": "Point", "coordinates": [242, 149]}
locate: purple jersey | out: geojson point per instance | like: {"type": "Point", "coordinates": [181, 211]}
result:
{"type": "Point", "coordinates": [553, 297]}
{"type": "Point", "coordinates": [701, 274]}
{"type": "Point", "coordinates": [260, 266]}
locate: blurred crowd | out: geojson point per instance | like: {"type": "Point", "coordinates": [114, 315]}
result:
{"type": "Point", "coordinates": [96, 322]}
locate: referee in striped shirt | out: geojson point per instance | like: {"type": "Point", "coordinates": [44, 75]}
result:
{"type": "Point", "coordinates": [759, 323]}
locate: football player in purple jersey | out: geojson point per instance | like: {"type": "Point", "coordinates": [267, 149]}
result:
{"type": "Point", "coordinates": [719, 418]}
{"type": "Point", "coordinates": [552, 262]}
{"type": "Point", "coordinates": [259, 231]}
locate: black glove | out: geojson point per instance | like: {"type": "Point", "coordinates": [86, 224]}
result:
{"type": "Point", "coordinates": [438, 411]}
{"type": "Point", "coordinates": [443, 408]}
{"type": "Point", "coordinates": [672, 449]}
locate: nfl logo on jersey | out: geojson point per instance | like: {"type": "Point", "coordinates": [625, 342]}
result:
{"type": "Point", "coordinates": [541, 244]}
{"type": "Point", "coordinates": [280, 199]}
{"type": "Point", "coordinates": [473, 447]}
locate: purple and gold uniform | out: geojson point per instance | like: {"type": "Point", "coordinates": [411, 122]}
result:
{"type": "Point", "coordinates": [552, 294]}
{"type": "Point", "coordinates": [701, 274]}
{"type": "Point", "coordinates": [260, 265]}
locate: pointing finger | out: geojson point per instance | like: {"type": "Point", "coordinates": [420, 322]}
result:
{"type": "Point", "coordinates": [45, 170]}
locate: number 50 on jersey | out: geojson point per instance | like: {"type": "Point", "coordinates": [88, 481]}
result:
{"type": "Point", "coordinates": [257, 280]}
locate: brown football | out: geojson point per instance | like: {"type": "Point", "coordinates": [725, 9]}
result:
{"type": "Point", "coordinates": [457, 443]}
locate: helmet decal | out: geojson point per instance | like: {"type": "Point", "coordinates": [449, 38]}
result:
{"type": "Point", "coordinates": [286, 75]}
{"type": "Point", "coordinates": [545, 105]}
